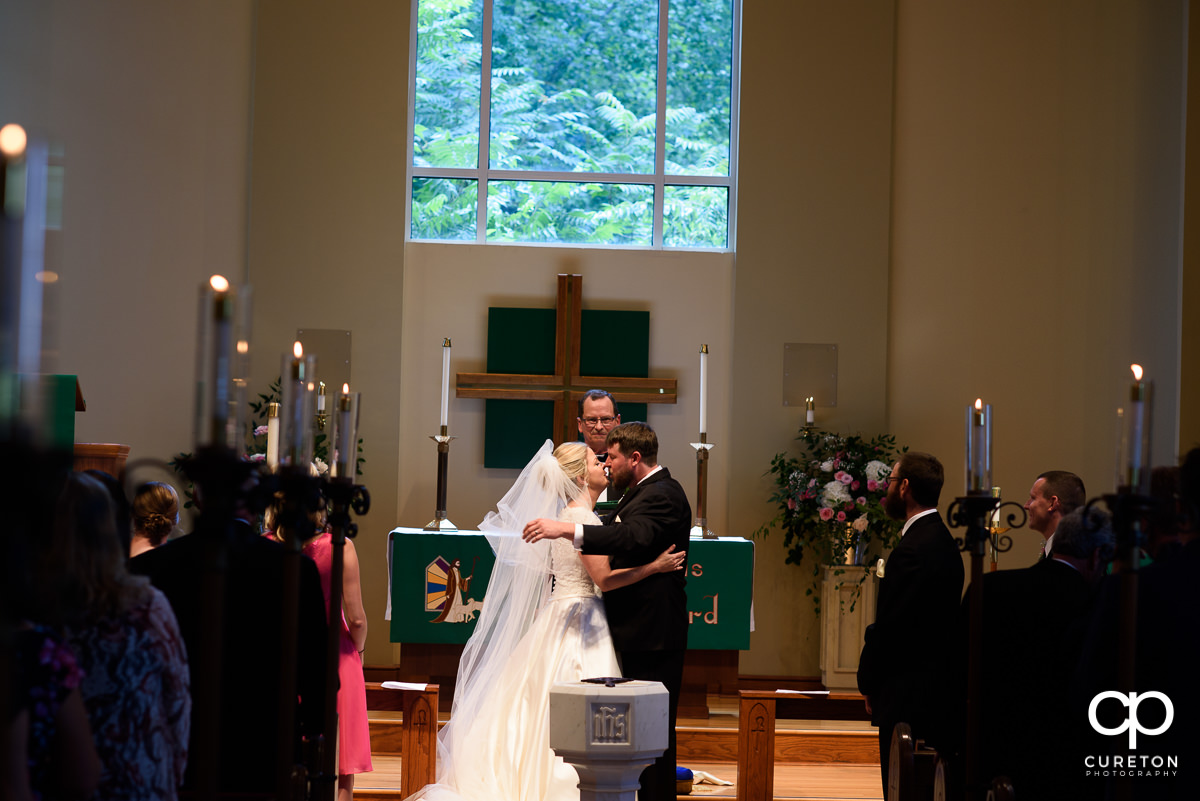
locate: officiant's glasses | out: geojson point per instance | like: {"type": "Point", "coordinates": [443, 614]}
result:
{"type": "Point", "coordinates": [595, 421]}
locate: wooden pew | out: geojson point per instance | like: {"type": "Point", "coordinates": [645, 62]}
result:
{"type": "Point", "coordinates": [757, 712]}
{"type": "Point", "coordinates": [419, 726]}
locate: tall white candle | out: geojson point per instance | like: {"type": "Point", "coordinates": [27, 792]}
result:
{"type": "Point", "coordinates": [703, 389]}
{"type": "Point", "coordinates": [810, 414]}
{"type": "Point", "coordinates": [445, 382]}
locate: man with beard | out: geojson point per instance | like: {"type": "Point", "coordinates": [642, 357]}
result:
{"type": "Point", "coordinates": [648, 619]}
{"type": "Point", "coordinates": [905, 669]}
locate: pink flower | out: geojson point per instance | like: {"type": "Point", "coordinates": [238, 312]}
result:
{"type": "Point", "coordinates": [844, 477]}
{"type": "Point", "coordinates": [826, 514]}
{"type": "Point", "coordinates": [258, 432]}
{"type": "Point", "coordinates": [848, 505]}
{"type": "Point", "coordinates": [862, 501]}
{"type": "Point", "coordinates": [791, 504]}
{"type": "Point", "coordinates": [812, 482]}
{"type": "Point", "coordinates": [258, 457]}
{"type": "Point", "coordinates": [841, 516]}
{"type": "Point", "coordinates": [856, 485]}
{"type": "Point", "coordinates": [872, 485]}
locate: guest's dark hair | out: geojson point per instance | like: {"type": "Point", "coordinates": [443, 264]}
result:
{"type": "Point", "coordinates": [635, 436]}
{"type": "Point", "coordinates": [597, 394]}
{"type": "Point", "coordinates": [1081, 533]}
{"type": "Point", "coordinates": [925, 477]}
{"type": "Point", "coordinates": [1068, 487]}
{"type": "Point", "coordinates": [121, 511]}
{"type": "Point", "coordinates": [86, 566]}
{"type": "Point", "coordinates": [155, 511]}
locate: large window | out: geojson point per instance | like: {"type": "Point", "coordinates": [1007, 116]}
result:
{"type": "Point", "coordinates": [575, 122]}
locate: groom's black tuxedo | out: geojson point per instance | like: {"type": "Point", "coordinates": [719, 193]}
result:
{"type": "Point", "coordinates": [649, 620]}
{"type": "Point", "coordinates": [650, 615]}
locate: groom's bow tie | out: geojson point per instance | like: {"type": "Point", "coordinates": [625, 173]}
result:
{"type": "Point", "coordinates": [603, 457]}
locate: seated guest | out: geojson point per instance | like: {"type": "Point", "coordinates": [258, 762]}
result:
{"type": "Point", "coordinates": [250, 647]}
{"type": "Point", "coordinates": [1033, 625]}
{"type": "Point", "coordinates": [127, 642]}
{"type": "Point", "coordinates": [1054, 494]}
{"type": "Point", "coordinates": [155, 513]}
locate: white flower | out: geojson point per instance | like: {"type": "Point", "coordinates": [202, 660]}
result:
{"type": "Point", "coordinates": [860, 524]}
{"type": "Point", "coordinates": [322, 468]}
{"type": "Point", "coordinates": [835, 494]}
{"type": "Point", "coordinates": [827, 465]}
{"type": "Point", "coordinates": [878, 470]}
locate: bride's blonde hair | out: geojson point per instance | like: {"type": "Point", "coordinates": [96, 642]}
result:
{"type": "Point", "coordinates": [572, 458]}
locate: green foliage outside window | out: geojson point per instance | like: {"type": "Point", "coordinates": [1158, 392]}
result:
{"type": "Point", "coordinates": [573, 90]}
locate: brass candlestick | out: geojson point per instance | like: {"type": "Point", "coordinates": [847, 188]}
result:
{"type": "Point", "coordinates": [700, 527]}
{"type": "Point", "coordinates": [440, 522]}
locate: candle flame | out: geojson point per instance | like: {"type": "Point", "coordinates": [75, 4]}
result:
{"type": "Point", "coordinates": [219, 282]}
{"type": "Point", "coordinates": [311, 386]}
{"type": "Point", "coordinates": [979, 404]}
{"type": "Point", "coordinates": [243, 347]}
{"type": "Point", "coordinates": [345, 389]}
{"type": "Point", "coordinates": [1137, 371]}
{"type": "Point", "coordinates": [12, 140]}
{"type": "Point", "coordinates": [298, 350]}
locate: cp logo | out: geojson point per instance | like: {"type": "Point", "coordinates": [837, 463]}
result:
{"type": "Point", "coordinates": [1131, 723]}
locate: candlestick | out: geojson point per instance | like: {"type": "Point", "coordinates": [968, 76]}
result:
{"type": "Point", "coordinates": [809, 411]}
{"type": "Point", "coordinates": [445, 418]}
{"type": "Point", "coordinates": [345, 463]}
{"type": "Point", "coordinates": [979, 447]}
{"type": "Point", "coordinates": [703, 389]}
{"type": "Point", "coordinates": [298, 389]}
{"type": "Point", "coordinates": [440, 522]}
{"type": "Point", "coordinates": [700, 527]}
{"type": "Point", "coordinates": [272, 435]}
{"type": "Point", "coordinates": [1137, 462]}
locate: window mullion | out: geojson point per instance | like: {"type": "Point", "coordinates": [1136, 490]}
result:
{"type": "Point", "coordinates": [660, 126]}
{"type": "Point", "coordinates": [485, 121]}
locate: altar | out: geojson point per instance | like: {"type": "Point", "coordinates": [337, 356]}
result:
{"type": "Point", "coordinates": [437, 583]}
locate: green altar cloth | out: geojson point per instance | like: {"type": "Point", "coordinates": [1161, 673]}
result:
{"type": "Point", "coordinates": [437, 583]}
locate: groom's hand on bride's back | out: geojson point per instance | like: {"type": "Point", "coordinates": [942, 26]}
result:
{"type": "Point", "coordinates": [546, 529]}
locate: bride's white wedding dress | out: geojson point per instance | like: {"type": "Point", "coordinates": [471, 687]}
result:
{"type": "Point", "coordinates": [511, 758]}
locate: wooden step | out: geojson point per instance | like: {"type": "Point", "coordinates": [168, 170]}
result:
{"type": "Point", "coordinates": [709, 743]}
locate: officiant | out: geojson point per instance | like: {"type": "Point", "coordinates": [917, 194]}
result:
{"type": "Point", "coordinates": [598, 415]}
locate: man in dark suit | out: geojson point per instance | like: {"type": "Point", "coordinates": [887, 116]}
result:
{"type": "Point", "coordinates": [1034, 621]}
{"type": "Point", "coordinates": [648, 619]}
{"type": "Point", "coordinates": [905, 669]}
{"type": "Point", "coordinates": [250, 625]}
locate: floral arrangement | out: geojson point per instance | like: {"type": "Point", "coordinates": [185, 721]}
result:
{"type": "Point", "coordinates": [829, 501]}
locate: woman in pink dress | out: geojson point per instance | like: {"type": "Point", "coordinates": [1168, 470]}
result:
{"type": "Point", "coordinates": [354, 736]}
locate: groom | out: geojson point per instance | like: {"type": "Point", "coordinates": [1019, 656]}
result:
{"type": "Point", "coordinates": [648, 619]}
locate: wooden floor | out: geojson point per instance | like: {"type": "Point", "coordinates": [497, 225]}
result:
{"type": "Point", "coordinates": [825, 760]}
{"type": "Point", "coordinates": [798, 781]}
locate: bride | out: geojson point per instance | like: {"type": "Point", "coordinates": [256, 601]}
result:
{"type": "Point", "coordinates": [542, 622]}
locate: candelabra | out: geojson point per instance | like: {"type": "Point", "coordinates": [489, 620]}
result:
{"type": "Point", "coordinates": [975, 512]}
{"type": "Point", "coordinates": [700, 526]}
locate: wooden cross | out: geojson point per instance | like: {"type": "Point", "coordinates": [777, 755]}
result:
{"type": "Point", "coordinates": [566, 386]}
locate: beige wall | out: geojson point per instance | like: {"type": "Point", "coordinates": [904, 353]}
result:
{"type": "Point", "coordinates": [327, 231]}
{"type": "Point", "coordinates": [149, 104]}
{"type": "Point", "coordinates": [969, 200]}
{"type": "Point", "coordinates": [1036, 232]}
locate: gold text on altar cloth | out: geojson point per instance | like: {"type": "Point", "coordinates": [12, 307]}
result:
{"type": "Point", "coordinates": [610, 723]}
{"type": "Point", "coordinates": [710, 616]}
